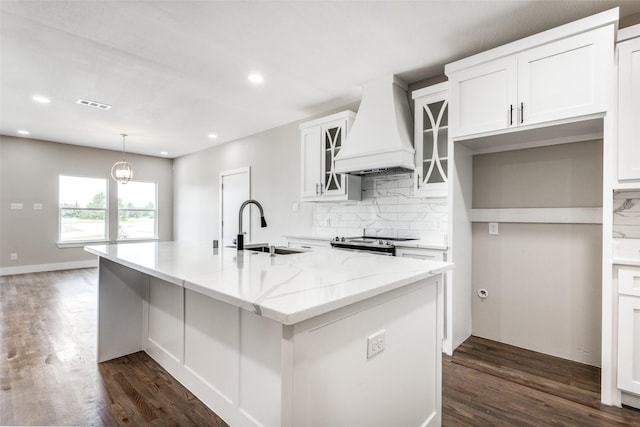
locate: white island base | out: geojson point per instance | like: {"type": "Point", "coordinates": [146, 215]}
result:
{"type": "Point", "coordinates": [252, 370]}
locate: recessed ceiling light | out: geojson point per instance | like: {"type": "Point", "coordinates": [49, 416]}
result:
{"type": "Point", "coordinates": [23, 132]}
{"type": "Point", "coordinates": [256, 79]}
{"type": "Point", "coordinates": [212, 136]}
{"type": "Point", "coordinates": [41, 99]}
{"type": "Point", "coordinates": [164, 153]}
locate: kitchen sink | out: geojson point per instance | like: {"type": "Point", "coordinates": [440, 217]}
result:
{"type": "Point", "coordinates": [279, 250]}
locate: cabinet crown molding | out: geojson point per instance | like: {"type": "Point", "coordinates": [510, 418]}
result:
{"type": "Point", "coordinates": [602, 19]}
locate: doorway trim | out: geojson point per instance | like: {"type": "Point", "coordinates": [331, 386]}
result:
{"type": "Point", "coordinates": [242, 170]}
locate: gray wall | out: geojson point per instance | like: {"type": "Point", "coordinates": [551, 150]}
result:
{"type": "Point", "coordinates": [29, 171]}
{"type": "Point", "coordinates": [274, 158]}
{"type": "Point", "coordinates": [544, 280]}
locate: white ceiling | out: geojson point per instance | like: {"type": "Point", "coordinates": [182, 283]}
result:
{"type": "Point", "coordinates": [175, 71]}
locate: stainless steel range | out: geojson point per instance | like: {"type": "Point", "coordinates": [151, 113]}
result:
{"type": "Point", "coordinates": [376, 245]}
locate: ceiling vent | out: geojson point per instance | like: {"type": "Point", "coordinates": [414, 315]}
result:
{"type": "Point", "coordinates": [94, 104]}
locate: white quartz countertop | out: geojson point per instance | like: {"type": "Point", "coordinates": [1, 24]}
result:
{"type": "Point", "coordinates": [285, 288]}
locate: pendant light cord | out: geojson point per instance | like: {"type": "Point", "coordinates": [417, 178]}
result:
{"type": "Point", "coordinates": [124, 135]}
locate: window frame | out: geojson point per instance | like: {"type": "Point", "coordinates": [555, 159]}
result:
{"type": "Point", "coordinates": [75, 243]}
{"type": "Point", "coordinates": [155, 211]}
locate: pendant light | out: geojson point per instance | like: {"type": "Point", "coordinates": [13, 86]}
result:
{"type": "Point", "coordinates": [122, 171]}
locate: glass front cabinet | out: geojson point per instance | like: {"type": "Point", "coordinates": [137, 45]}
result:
{"type": "Point", "coordinates": [322, 140]}
{"type": "Point", "coordinates": [431, 137]}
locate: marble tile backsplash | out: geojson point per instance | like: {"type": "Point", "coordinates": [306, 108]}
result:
{"type": "Point", "coordinates": [388, 208]}
{"type": "Point", "coordinates": [626, 214]}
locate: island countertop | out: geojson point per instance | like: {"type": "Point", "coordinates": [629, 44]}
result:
{"type": "Point", "coordinates": [285, 288]}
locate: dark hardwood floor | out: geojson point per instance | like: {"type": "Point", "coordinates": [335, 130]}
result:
{"type": "Point", "coordinates": [48, 374]}
{"type": "Point", "coordinates": [487, 383]}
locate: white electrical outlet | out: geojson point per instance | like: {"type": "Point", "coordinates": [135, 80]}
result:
{"type": "Point", "coordinates": [37, 206]}
{"type": "Point", "coordinates": [14, 257]}
{"type": "Point", "coordinates": [375, 344]}
{"type": "Point", "coordinates": [493, 228]}
{"type": "Point", "coordinates": [295, 207]}
{"type": "Point", "coordinates": [16, 206]}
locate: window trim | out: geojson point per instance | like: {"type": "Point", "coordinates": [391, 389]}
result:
{"type": "Point", "coordinates": [77, 243]}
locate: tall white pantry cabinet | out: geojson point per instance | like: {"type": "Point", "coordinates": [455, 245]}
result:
{"type": "Point", "coordinates": [562, 85]}
{"type": "Point", "coordinates": [626, 253]}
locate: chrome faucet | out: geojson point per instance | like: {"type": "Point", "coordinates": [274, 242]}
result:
{"type": "Point", "coordinates": [263, 223]}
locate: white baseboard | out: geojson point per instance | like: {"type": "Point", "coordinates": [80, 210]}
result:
{"type": "Point", "coordinates": [22, 269]}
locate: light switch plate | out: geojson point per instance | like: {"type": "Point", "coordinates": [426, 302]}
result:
{"type": "Point", "coordinates": [493, 228]}
{"type": "Point", "coordinates": [16, 206]}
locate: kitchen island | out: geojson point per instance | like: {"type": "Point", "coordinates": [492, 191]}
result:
{"type": "Point", "coordinates": [318, 338]}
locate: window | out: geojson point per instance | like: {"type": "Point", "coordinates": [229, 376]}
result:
{"type": "Point", "coordinates": [137, 214]}
{"type": "Point", "coordinates": [83, 209]}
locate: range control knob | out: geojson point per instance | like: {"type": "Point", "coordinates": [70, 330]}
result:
{"type": "Point", "coordinates": [342, 239]}
{"type": "Point", "coordinates": [388, 243]}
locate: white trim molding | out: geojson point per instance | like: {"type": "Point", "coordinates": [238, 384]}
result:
{"type": "Point", "coordinates": [539, 215]}
{"type": "Point", "coordinates": [37, 268]}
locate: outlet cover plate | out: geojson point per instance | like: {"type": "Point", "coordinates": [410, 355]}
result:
{"type": "Point", "coordinates": [375, 344]}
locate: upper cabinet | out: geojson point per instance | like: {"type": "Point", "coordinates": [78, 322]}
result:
{"type": "Point", "coordinates": [321, 140]}
{"type": "Point", "coordinates": [629, 109]}
{"type": "Point", "coordinates": [550, 77]}
{"type": "Point", "coordinates": [485, 97]}
{"type": "Point", "coordinates": [431, 122]}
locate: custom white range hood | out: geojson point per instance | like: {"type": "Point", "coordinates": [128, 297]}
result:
{"type": "Point", "coordinates": [381, 138]}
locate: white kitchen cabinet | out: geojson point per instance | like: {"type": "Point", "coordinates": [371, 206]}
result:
{"type": "Point", "coordinates": [311, 170]}
{"type": "Point", "coordinates": [307, 244]}
{"type": "Point", "coordinates": [629, 110]}
{"type": "Point", "coordinates": [421, 253]}
{"type": "Point", "coordinates": [321, 141]}
{"type": "Point", "coordinates": [485, 97]}
{"type": "Point", "coordinates": [431, 123]}
{"type": "Point", "coordinates": [629, 329]}
{"type": "Point", "coordinates": [558, 80]}
{"type": "Point", "coordinates": [629, 344]}
{"type": "Point", "coordinates": [447, 294]}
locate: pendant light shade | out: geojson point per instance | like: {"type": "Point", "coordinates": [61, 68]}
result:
{"type": "Point", "coordinates": [122, 171]}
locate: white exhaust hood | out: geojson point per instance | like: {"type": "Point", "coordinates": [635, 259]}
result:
{"type": "Point", "coordinates": [381, 137]}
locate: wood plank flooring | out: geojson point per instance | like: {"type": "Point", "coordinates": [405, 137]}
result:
{"type": "Point", "coordinates": [489, 383]}
{"type": "Point", "coordinates": [48, 373]}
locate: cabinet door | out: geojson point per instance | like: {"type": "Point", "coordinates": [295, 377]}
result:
{"type": "Point", "coordinates": [431, 139]}
{"type": "Point", "coordinates": [333, 136]}
{"type": "Point", "coordinates": [629, 110]}
{"type": "Point", "coordinates": [425, 254]}
{"type": "Point", "coordinates": [311, 172]}
{"type": "Point", "coordinates": [483, 98]}
{"type": "Point", "coordinates": [629, 343]}
{"type": "Point", "coordinates": [567, 78]}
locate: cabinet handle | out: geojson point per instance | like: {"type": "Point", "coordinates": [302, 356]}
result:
{"type": "Point", "coordinates": [305, 247]}
{"type": "Point", "coordinates": [322, 188]}
{"type": "Point", "coordinates": [510, 114]}
{"type": "Point", "coordinates": [317, 188]}
{"type": "Point", "coordinates": [521, 112]}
